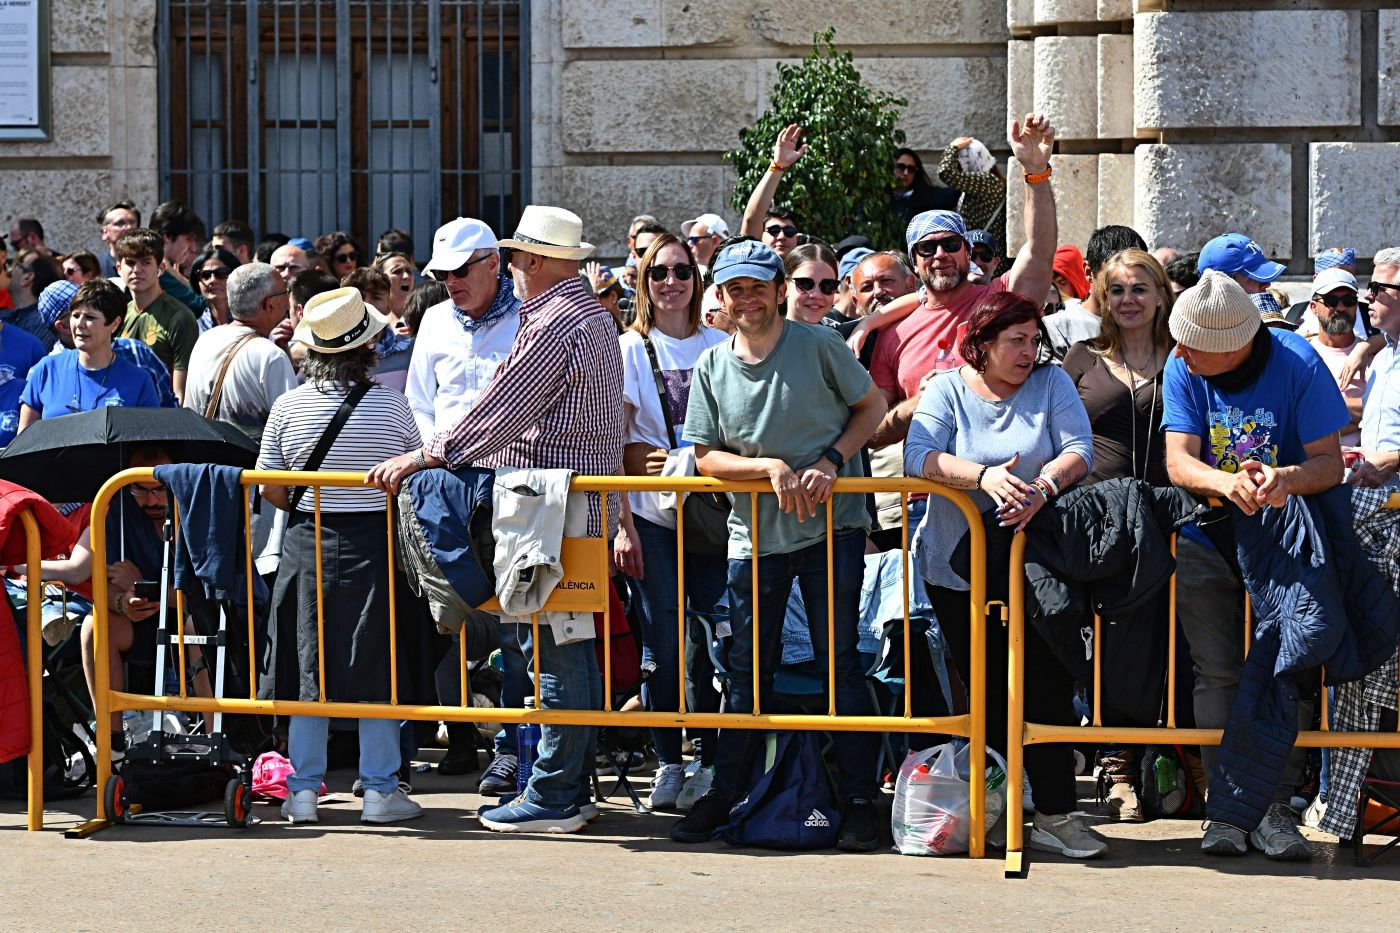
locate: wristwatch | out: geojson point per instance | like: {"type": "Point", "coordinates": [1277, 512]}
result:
{"type": "Point", "coordinates": [834, 455]}
{"type": "Point", "coordinates": [419, 459]}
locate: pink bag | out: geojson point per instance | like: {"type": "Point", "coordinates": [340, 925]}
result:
{"type": "Point", "coordinates": [270, 773]}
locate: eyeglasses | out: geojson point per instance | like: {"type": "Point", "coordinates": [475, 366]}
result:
{"type": "Point", "coordinates": [460, 272]}
{"type": "Point", "coordinates": [693, 240]}
{"type": "Point", "coordinates": [682, 272]}
{"type": "Point", "coordinates": [283, 267]}
{"type": "Point", "coordinates": [208, 275]}
{"type": "Point", "coordinates": [828, 286]}
{"type": "Point", "coordinates": [927, 249]}
{"type": "Point", "coordinates": [904, 167]}
{"type": "Point", "coordinates": [1374, 288]}
{"type": "Point", "coordinates": [982, 255]}
{"type": "Point", "coordinates": [1337, 301]}
{"type": "Point", "coordinates": [351, 256]}
{"type": "Point", "coordinates": [781, 229]}
{"type": "Point", "coordinates": [148, 492]}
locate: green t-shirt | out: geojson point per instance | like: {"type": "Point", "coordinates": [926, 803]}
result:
{"type": "Point", "coordinates": [167, 327]}
{"type": "Point", "coordinates": [792, 406]}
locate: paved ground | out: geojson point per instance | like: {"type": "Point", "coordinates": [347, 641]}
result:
{"type": "Point", "coordinates": [444, 871]}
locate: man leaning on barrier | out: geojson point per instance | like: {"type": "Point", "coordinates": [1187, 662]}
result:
{"type": "Point", "coordinates": [1251, 415]}
{"type": "Point", "coordinates": [555, 403]}
{"type": "Point", "coordinates": [741, 419]}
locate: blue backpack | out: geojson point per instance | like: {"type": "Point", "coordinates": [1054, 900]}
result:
{"type": "Point", "coordinates": [790, 804]}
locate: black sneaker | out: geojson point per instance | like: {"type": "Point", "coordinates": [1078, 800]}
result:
{"type": "Point", "coordinates": [860, 826]}
{"type": "Point", "coordinates": [499, 777]}
{"type": "Point", "coordinates": [704, 819]}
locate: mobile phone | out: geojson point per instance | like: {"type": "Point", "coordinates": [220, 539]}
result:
{"type": "Point", "coordinates": [148, 590]}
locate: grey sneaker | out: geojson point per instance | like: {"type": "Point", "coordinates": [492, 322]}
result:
{"type": "Point", "coordinates": [1277, 836]}
{"type": "Point", "coordinates": [1224, 839]}
{"type": "Point", "coordinates": [1065, 834]}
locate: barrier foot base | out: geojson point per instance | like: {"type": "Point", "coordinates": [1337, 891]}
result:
{"type": "Point", "coordinates": [1014, 867]}
{"type": "Point", "coordinates": [83, 830]}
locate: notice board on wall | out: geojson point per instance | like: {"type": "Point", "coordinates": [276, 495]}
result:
{"type": "Point", "coordinates": [25, 106]}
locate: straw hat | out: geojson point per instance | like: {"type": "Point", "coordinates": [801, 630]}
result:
{"type": "Point", "coordinates": [338, 320]}
{"type": "Point", "coordinates": [1214, 315]}
{"type": "Point", "coordinates": [549, 231]}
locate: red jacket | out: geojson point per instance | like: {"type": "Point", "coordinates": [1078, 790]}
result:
{"type": "Point", "coordinates": [56, 536]}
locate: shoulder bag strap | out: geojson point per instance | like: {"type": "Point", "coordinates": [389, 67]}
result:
{"type": "Point", "coordinates": [328, 436]}
{"type": "Point", "coordinates": [217, 395]}
{"type": "Point", "coordinates": [661, 390]}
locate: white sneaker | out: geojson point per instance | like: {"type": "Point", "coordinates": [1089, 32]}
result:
{"type": "Point", "coordinates": [666, 787]}
{"type": "Point", "coordinates": [300, 807]}
{"type": "Point", "coordinates": [1027, 799]}
{"type": "Point", "coordinates": [1312, 816]}
{"type": "Point", "coordinates": [1065, 835]}
{"type": "Point", "coordinates": [696, 787]}
{"type": "Point", "coordinates": [388, 808]}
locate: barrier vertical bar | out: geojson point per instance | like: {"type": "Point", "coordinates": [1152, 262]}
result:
{"type": "Point", "coordinates": [102, 679]}
{"type": "Point", "coordinates": [830, 611]}
{"type": "Point", "coordinates": [977, 687]}
{"type": "Point", "coordinates": [1171, 643]}
{"type": "Point", "coordinates": [252, 636]}
{"type": "Point", "coordinates": [34, 657]}
{"type": "Point", "coordinates": [535, 653]}
{"type": "Point", "coordinates": [607, 610]}
{"type": "Point", "coordinates": [320, 597]}
{"type": "Point", "coordinates": [1098, 670]}
{"type": "Point", "coordinates": [1322, 688]}
{"type": "Point", "coordinates": [462, 665]}
{"type": "Point", "coordinates": [680, 601]}
{"type": "Point", "coordinates": [904, 572]}
{"type": "Point", "coordinates": [1248, 623]}
{"type": "Point", "coordinates": [179, 607]}
{"type": "Point", "coordinates": [1015, 700]}
{"type": "Point", "coordinates": [753, 575]}
{"type": "Point", "coordinates": [393, 612]}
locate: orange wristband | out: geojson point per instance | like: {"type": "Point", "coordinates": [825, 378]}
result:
{"type": "Point", "coordinates": [1037, 178]}
{"type": "Point", "coordinates": [775, 167]}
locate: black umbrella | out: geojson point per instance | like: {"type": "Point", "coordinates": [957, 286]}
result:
{"type": "Point", "coordinates": [68, 459]}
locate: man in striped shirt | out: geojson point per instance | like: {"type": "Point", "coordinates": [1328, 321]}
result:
{"type": "Point", "coordinates": [555, 403]}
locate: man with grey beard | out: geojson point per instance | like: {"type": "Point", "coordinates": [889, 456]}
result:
{"type": "Point", "coordinates": [1334, 302]}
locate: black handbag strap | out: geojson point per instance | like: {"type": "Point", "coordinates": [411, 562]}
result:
{"type": "Point", "coordinates": [328, 436]}
{"type": "Point", "coordinates": [661, 390]}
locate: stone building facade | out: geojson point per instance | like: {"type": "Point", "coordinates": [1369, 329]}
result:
{"type": "Point", "coordinates": [1280, 118]}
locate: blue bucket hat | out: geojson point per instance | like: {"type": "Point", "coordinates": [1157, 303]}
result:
{"type": "Point", "coordinates": [1235, 252]}
{"type": "Point", "coordinates": [851, 260]}
{"type": "Point", "coordinates": [54, 301]}
{"type": "Point", "coordinates": [749, 259]}
{"type": "Point", "coordinates": [933, 222]}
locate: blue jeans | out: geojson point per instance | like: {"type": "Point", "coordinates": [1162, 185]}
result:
{"type": "Point", "coordinates": [569, 679]}
{"type": "Point", "coordinates": [379, 753]}
{"type": "Point", "coordinates": [704, 586]}
{"type": "Point", "coordinates": [857, 751]}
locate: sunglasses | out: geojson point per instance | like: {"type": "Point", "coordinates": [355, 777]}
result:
{"type": "Point", "coordinates": [828, 286]}
{"type": "Point", "coordinates": [927, 249]}
{"type": "Point", "coordinates": [693, 240]}
{"type": "Point", "coordinates": [289, 267]}
{"type": "Point", "coordinates": [682, 272]}
{"type": "Point", "coordinates": [903, 167]}
{"type": "Point", "coordinates": [781, 229]}
{"type": "Point", "coordinates": [983, 255]}
{"type": "Point", "coordinates": [1337, 301]}
{"type": "Point", "coordinates": [208, 275]}
{"type": "Point", "coordinates": [459, 272]}
{"type": "Point", "coordinates": [1374, 288]}
{"type": "Point", "coordinates": [347, 257]}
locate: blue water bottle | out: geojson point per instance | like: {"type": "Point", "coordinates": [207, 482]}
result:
{"type": "Point", "coordinates": [527, 743]}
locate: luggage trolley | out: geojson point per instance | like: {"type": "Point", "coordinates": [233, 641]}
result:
{"type": "Point", "coordinates": [181, 752]}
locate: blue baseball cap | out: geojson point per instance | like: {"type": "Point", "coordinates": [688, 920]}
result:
{"type": "Point", "coordinates": [851, 260]}
{"type": "Point", "coordinates": [983, 238]}
{"type": "Point", "coordinates": [748, 259]}
{"type": "Point", "coordinates": [1235, 252]}
{"type": "Point", "coordinates": [929, 222]}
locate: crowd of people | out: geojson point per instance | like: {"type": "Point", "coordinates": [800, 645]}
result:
{"type": "Point", "coordinates": [1044, 385]}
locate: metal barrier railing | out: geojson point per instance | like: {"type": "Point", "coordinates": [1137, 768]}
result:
{"type": "Point", "coordinates": [582, 559]}
{"type": "Point", "coordinates": [34, 669]}
{"type": "Point", "coordinates": [1033, 733]}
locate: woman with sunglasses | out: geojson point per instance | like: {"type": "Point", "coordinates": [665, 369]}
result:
{"type": "Point", "coordinates": [1008, 427]}
{"type": "Point", "coordinates": [913, 191]}
{"type": "Point", "coordinates": [811, 272]}
{"type": "Point", "coordinates": [341, 252]}
{"type": "Point", "coordinates": [81, 267]}
{"type": "Point", "coordinates": [210, 273]}
{"type": "Point", "coordinates": [659, 354]}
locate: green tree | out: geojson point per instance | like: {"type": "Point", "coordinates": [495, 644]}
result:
{"type": "Point", "coordinates": [842, 185]}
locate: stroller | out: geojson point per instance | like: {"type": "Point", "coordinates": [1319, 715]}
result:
{"type": "Point", "coordinates": [176, 770]}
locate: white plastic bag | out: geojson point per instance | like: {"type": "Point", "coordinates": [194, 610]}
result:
{"type": "Point", "coordinates": [931, 807]}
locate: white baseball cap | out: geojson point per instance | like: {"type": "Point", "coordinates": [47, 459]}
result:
{"type": "Point", "coordinates": [1329, 279]}
{"type": "Point", "coordinates": [454, 243]}
{"type": "Point", "coordinates": [713, 222]}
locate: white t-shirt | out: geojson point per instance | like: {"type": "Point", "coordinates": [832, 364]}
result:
{"type": "Point", "coordinates": [1070, 325]}
{"type": "Point", "coordinates": [642, 403]}
{"type": "Point", "coordinates": [258, 375]}
{"type": "Point", "coordinates": [1334, 359]}
{"type": "Point", "coordinates": [451, 368]}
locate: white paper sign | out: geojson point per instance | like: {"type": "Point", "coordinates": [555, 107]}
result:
{"type": "Point", "coordinates": [19, 63]}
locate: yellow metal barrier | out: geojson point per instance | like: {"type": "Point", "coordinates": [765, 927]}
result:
{"type": "Point", "coordinates": [34, 668]}
{"type": "Point", "coordinates": [1032, 733]}
{"type": "Point", "coordinates": [585, 561]}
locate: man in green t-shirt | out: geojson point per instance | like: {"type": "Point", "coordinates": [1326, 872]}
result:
{"type": "Point", "coordinates": [789, 403]}
{"type": "Point", "coordinates": [153, 317]}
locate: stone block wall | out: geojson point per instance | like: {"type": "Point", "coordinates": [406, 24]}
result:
{"type": "Point", "coordinates": [104, 126]}
{"type": "Point", "coordinates": [1275, 118]}
{"type": "Point", "coordinates": [635, 101]}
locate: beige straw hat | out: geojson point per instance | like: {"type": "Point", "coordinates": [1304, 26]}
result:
{"type": "Point", "coordinates": [549, 231]}
{"type": "Point", "coordinates": [338, 320]}
{"type": "Point", "coordinates": [1214, 315]}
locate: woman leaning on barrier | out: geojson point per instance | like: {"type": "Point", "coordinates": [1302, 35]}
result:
{"type": "Point", "coordinates": [340, 331]}
{"type": "Point", "coordinates": [659, 353]}
{"type": "Point", "coordinates": [1008, 426]}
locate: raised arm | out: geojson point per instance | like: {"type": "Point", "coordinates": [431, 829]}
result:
{"type": "Point", "coordinates": [1032, 144]}
{"type": "Point", "coordinates": [786, 151]}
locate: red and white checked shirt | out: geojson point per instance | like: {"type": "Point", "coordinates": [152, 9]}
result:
{"type": "Point", "coordinates": [556, 400]}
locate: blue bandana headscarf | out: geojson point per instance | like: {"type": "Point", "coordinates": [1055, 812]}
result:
{"type": "Point", "coordinates": [933, 222]}
{"type": "Point", "coordinates": [504, 303]}
{"type": "Point", "coordinates": [1333, 258]}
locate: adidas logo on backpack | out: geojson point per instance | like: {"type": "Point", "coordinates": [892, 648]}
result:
{"type": "Point", "coordinates": [818, 819]}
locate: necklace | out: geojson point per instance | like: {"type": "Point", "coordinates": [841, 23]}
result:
{"type": "Point", "coordinates": [78, 369]}
{"type": "Point", "coordinates": [1132, 407]}
{"type": "Point", "coordinates": [1136, 372]}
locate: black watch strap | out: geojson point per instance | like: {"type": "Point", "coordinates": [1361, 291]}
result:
{"type": "Point", "coordinates": [834, 455]}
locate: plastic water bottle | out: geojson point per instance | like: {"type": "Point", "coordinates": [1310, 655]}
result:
{"type": "Point", "coordinates": [137, 725]}
{"type": "Point", "coordinates": [527, 744]}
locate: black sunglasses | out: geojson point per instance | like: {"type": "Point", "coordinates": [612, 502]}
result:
{"type": "Point", "coordinates": [983, 255]}
{"type": "Point", "coordinates": [784, 229]}
{"type": "Point", "coordinates": [347, 257]}
{"type": "Point", "coordinates": [682, 272]}
{"type": "Point", "coordinates": [1337, 301]}
{"type": "Point", "coordinates": [693, 240]}
{"type": "Point", "coordinates": [927, 249]}
{"type": "Point", "coordinates": [208, 274]}
{"type": "Point", "coordinates": [460, 272]}
{"type": "Point", "coordinates": [1374, 288]}
{"type": "Point", "coordinates": [828, 286]}
{"type": "Point", "coordinates": [904, 167]}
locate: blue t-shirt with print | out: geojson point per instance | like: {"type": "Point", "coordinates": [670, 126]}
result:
{"type": "Point", "coordinates": [19, 351]}
{"type": "Point", "coordinates": [60, 385]}
{"type": "Point", "coordinates": [1295, 401]}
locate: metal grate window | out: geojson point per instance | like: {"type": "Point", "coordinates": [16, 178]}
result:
{"type": "Point", "coordinates": [306, 116]}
